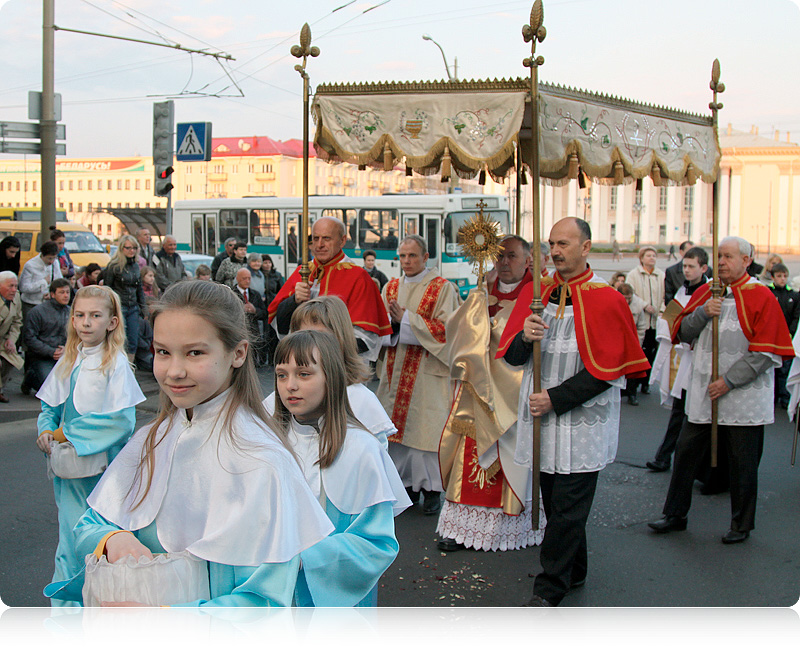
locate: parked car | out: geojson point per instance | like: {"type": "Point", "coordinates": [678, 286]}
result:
{"type": "Point", "coordinates": [191, 261]}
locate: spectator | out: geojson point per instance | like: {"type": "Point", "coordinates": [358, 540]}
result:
{"type": "Point", "coordinates": [91, 275]}
{"type": "Point", "coordinates": [673, 275]}
{"type": "Point", "coordinates": [169, 269]}
{"type": "Point", "coordinates": [617, 279]}
{"type": "Point", "coordinates": [225, 254]}
{"type": "Point", "coordinates": [254, 309]}
{"type": "Point", "coordinates": [146, 253]}
{"type": "Point", "coordinates": [64, 260]}
{"type": "Point", "coordinates": [230, 266]}
{"type": "Point", "coordinates": [203, 272]}
{"type": "Point", "coordinates": [641, 319]}
{"type": "Point", "coordinates": [369, 265]}
{"type": "Point", "coordinates": [257, 279]}
{"type": "Point", "coordinates": [9, 254]}
{"type": "Point", "coordinates": [124, 277]}
{"type": "Point", "coordinates": [765, 276]}
{"type": "Point", "coordinates": [10, 326]}
{"type": "Point", "coordinates": [789, 301]}
{"type": "Point", "coordinates": [273, 281]}
{"type": "Point", "coordinates": [755, 268]}
{"type": "Point", "coordinates": [45, 335]}
{"type": "Point", "coordinates": [149, 285]}
{"type": "Point", "coordinates": [647, 282]}
{"type": "Point", "coordinates": [37, 275]}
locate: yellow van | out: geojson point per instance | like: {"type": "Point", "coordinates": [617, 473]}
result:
{"type": "Point", "coordinates": [83, 246]}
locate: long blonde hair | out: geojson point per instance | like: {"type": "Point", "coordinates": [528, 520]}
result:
{"type": "Point", "coordinates": [115, 338]}
{"type": "Point", "coordinates": [338, 413]}
{"type": "Point", "coordinates": [119, 259]}
{"type": "Point", "coordinates": [224, 313]}
{"type": "Point", "coordinates": [331, 313]}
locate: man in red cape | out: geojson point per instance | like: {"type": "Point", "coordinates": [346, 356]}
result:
{"type": "Point", "coordinates": [332, 273]}
{"type": "Point", "coordinates": [753, 339]}
{"type": "Point", "coordinates": [589, 346]}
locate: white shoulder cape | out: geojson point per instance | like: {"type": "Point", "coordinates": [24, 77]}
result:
{"type": "Point", "coordinates": [96, 392]}
{"type": "Point", "coordinates": [235, 506]}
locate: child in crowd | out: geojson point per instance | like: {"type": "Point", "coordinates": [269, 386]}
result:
{"type": "Point", "coordinates": [91, 275]}
{"type": "Point", "coordinates": [642, 321]}
{"type": "Point", "coordinates": [330, 314]}
{"type": "Point", "coordinates": [790, 305]}
{"type": "Point", "coordinates": [149, 285]}
{"type": "Point", "coordinates": [203, 272]}
{"type": "Point", "coordinates": [347, 469]}
{"type": "Point", "coordinates": [212, 476]}
{"type": "Point", "coordinates": [88, 411]}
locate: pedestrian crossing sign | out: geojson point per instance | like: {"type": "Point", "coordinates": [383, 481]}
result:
{"type": "Point", "coordinates": [194, 142]}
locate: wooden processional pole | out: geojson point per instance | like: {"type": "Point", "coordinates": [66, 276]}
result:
{"type": "Point", "coordinates": [304, 50]}
{"type": "Point", "coordinates": [531, 34]}
{"type": "Point", "coordinates": [716, 287]}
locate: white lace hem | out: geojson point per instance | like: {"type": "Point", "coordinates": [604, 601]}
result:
{"type": "Point", "coordinates": [489, 529]}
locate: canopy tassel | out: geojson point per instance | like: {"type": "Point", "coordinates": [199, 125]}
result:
{"type": "Point", "coordinates": [574, 166]}
{"type": "Point", "coordinates": [446, 170]}
{"type": "Point", "coordinates": [388, 157]}
{"type": "Point", "coordinates": [655, 175]}
{"type": "Point", "coordinates": [619, 173]}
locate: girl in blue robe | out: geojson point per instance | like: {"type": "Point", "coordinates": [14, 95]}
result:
{"type": "Point", "coordinates": [347, 468]}
{"type": "Point", "coordinates": [88, 405]}
{"type": "Point", "coordinates": [210, 476]}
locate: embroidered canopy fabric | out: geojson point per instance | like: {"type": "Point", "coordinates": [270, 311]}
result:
{"type": "Point", "coordinates": [476, 125]}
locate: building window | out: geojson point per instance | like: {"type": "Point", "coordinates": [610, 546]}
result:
{"type": "Point", "coordinates": [138, 185]}
{"type": "Point", "coordinates": [89, 185]}
{"type": "Point", "coordinates": [127, 185]}
{"type": "Point", "coordinates": [71, 207]}
{"type": "Point", "coordinates": [80, 207]}
{"type": "Point", "coordinates": [147, 185]}
{"type": "Point", "coordinates": [136, 205]}
{"type": "Point", "coordinates": [34, 185]}
{"type": "Point", "coordinates": [251, 168]}
{"type": "Point", "coordinates": [235, 168]}
{"type": "Point", "coordinates": [70, 185]}
{"type": "Point", "coordinates": [60, 185]}
{"type": "Point", "coordinates": [188, 169]}
{"type": "Point", "coordinates": [80, 185]}
{"type": "Point", "coordinates": [662, 198]}
{"type": "Point", "coordinates": [613, 205]}
{"type": "Point", "coordinates": [688, 199]}
{"type": "Point", "coordinates": [266, 168]}
{"type": "Point", "coordinates": [108, 186]}
{"type": "Point", "coordinates": [188, 188]}
{"type": "Point", "coordinates": [89, 207]}
{"type": "Point", "coordinates": [119, 185]}
{"type": "Point", "coordinates": [108, 229]}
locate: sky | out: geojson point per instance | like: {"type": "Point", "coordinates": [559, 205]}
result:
{"type": "Point", "coordinates": [647, 50]}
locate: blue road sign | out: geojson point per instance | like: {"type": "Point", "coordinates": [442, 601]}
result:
{"type": "Point", "coordinates": [194, 142]}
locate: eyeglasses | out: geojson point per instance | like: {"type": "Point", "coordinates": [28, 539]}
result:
{"type": "Point", "coordinates": [129, 247]}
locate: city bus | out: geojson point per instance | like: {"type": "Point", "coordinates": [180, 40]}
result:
{"type": "Point", "coordinates": [271, 225]}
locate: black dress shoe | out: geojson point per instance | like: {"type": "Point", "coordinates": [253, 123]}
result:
{"type": "Point", "coordinates": [432, 502]}
{"type": "Point", "coordinates": [633, 400]}
{"type": "Point", "coordinates": [3, 398]}
{"type": "Point", "coordinates": [412, 494]}
{"type": "Point", "coordinates": [645, 389]}
{"type": "Point", "coordinates": [25, 389]}
{"type": "Point", "coordinates": [657, 466]}
{"type": "Point", "coordinates": [448, 544]}
{"type": "Point", "coordinates": [669, 523]}
{"type": "Point", "coordinates": [537, 601]}
{"type": "Point", "coordinates": [732, 537]}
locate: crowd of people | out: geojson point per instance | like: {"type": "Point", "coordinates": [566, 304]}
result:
{"type": "Point", "coordinates": [319, 469]}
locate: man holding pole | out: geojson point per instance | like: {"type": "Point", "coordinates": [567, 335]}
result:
{"type": "Point", "coordinates": [589, 346]}
{"type": "Point", "coordinates": [753, 337]}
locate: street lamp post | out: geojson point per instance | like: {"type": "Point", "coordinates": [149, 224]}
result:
{"type": "Point", "coordinates": [450, 77]}
{"type": "Point", "coordinates": [638, 206]}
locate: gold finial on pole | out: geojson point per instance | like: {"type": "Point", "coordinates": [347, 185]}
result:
{"type": "Point", "coordinates": [479, 241]}
{"type": "Point", "coordinates": [533, 33]}
{"type": "Point", "coordinates": [304, 50]}
{"type": "Point", "coordinates": [716, 287]}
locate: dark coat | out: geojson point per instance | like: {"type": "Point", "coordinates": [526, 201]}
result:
{"type": "Point", "coordinates": [273, 282]}
{"type": "Point", "coordinates": [46, 328]}
{"type": "Point", "coordinates": [127, 283]}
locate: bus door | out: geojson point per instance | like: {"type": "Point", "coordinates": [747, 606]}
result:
{"type": "Point", "coordinates": [292, 249]}
{"type": "Point", "coordinates": [204, 234]}
{"type": "Point", "coordinates": [433, 235]}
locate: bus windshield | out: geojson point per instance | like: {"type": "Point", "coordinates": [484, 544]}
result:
{"type": "Point", "coordinates": [454, 220]}
{"type": "Point", "coordinates": [77, 242]}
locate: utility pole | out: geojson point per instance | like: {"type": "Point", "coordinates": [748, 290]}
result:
{"type": "Point", "coordinates": [47, 121]}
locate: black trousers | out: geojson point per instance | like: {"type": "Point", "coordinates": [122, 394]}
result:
{"type": "Point", "coordinates": [567, 503]}
{"type": "Point", "coordinates": [745, 445]}
{"type": "Point", "coordinates": [676, 418]}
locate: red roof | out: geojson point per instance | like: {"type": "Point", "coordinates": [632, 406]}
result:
{"type": "Point", "coordinates": [258, 146]}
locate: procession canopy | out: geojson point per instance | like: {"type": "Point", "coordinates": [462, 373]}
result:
{"type": "Point", "coordinates": [470, 126]}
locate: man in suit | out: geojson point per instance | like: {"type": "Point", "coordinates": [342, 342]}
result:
{"type": "Point", "coordinates": [10, 326]}
{"type": "Point", "coordinates": [255, 310]}
{"type": "Point", "coordinates": [673, 275]}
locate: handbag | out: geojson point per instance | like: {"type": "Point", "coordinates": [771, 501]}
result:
{"type": "Point", "coordinates": [63, 461]}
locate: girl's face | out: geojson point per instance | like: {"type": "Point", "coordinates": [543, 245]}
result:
{"type": "Point", "coordinates": [266, 266]}
{"type": "Point", "coordinates": [92, 320]}
{"type": "Point", "coordinates": [11, 252]}
{"type": "Point", "coordinates": [302, 389]}
{"type": "Point", "coordinates": [94, 276]}
{"type": "Point", "coordinates": [129, 249]}
{"type": "Point", "coordinates": [60, 242]}
{"type": "Point", "coordinates": [618, 282]}
{"type": "Point", "coordinates": [191, 364]}
{"type": "Point", "coordinates": [149, 278]}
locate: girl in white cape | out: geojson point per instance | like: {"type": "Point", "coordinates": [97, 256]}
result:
{"type": "Point", "coordinates": [211, 479]}
{"type": "Point", "coordinates": [88, 411]}
{"type": "Point", "coordinates": [347, 468]}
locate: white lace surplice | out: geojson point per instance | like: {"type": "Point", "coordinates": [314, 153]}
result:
{"type": "Point", "coordinates": [583, 439]}
{"type": "Point", "coordinates": [752, 404]}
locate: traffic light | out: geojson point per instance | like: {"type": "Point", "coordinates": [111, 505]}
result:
{"type": "Point", "coordinates": [163, 146]}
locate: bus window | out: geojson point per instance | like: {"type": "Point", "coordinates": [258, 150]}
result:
{"type": "Point", "coordinates": [454, 220]}
{"type": "Point", "coordinates": [265, 226]}
{"type": "Point", "coordinates": [348, 217]}
{"type": "Point", "coordinates": [378, 228]}
{"type": "Point", "coordinates": [25, 239]}
{"type": "Point", "coordinates": [77, 242]}
{"type": "Point", "coordinates": [233, 224]}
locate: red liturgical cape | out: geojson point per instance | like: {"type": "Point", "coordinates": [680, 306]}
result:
{"type": "Point", "coordinates": [607, 338]}
{"type": "Point", "coordinates": [760, 316]}
{"type": "Point", "coordinates": [348, 281]}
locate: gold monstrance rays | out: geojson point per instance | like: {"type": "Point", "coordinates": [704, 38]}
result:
{"type": "Point", "coordinates": [304, 50]}
{"type": "Point", "coordinates": [479, 241]}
